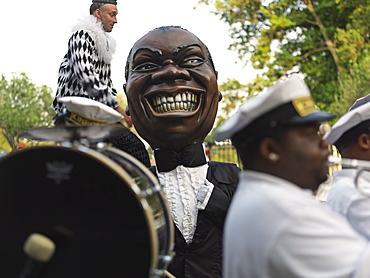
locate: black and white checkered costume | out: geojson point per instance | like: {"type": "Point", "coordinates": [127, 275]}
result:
{"type": "Point", "coordinates": [86, 68]}
{"type": "Point", "coordinates": [85, 72]}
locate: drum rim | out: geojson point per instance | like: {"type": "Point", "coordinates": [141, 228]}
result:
{"type": "Point", "coordinates": [156, 183]}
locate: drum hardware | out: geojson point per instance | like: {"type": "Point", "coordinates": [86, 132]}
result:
{"type": "Point", "coordinates": [151, 191]}
{"type": "Point", "coordinates": [361, 166]}
{"type": "Point", "coordinates": [71, 133]}
{"type": "Point", "coordinates": [166, 258]}
{"type": "Point", "coordinates": [142, 178]}
{"type": "Point", "coordinates": [75, 144]}
{"type": "Point", "coordinates": [100, 146]}
{"type": "Point", "coordinates": [162, 273]}
{"type": "Point", "coordinates": [169, 275]}
{"type": "Point", "coordinates": [39, 249]}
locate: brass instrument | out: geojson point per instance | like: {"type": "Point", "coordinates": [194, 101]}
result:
{"type": "Point", "coordinates": [361, 166]}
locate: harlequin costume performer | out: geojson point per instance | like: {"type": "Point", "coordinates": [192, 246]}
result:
{"type": "Point", "coordinates": [85, 71]}
{"type": "Point", "coordinates": [86, 68]}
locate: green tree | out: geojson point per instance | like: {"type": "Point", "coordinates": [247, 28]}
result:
{"type": "Point", "coordinates": [279, 37]}
{"type": "Point", "coordinates": [233, 94]}
{"type": "Point", "coordinates": [4, 145]}
{"type": "Point", "coordinates": [353, 47]}
{"type": "Point", "coordinates": [353, 85]}
{"type": "Point", "coordinates": [23, 106]}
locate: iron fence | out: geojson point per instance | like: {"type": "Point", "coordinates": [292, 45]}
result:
{"type": "Point", "coordinates": [223, 152]}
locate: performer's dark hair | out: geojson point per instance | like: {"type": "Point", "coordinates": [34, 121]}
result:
{"type": "Point", "coordinates": [95, 6]}
{"type": "Point", "coordinates": [167, 28]}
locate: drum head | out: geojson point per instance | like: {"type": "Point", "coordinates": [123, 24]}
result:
{"type": "Point", "coordinates": [82, 203]}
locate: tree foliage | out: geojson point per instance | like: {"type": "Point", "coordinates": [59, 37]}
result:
{"type": "Point", "coordinates": [320, 39]}
{"type": "Point", "coordinates": [353, 48]}
{"type": "Point", "coordinates": [23, 106]}
{"type": "Point", "coordinates": [353, 85]}
{"type": "Point", "coordinates": [233, 93]}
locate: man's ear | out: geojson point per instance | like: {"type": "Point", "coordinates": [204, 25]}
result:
{"type": "Point", "coordinates": [97, 13]}
{"type": "Point", "coordinates": [269, 149]}
{"type": "Point", "coordinates": [364, 141]}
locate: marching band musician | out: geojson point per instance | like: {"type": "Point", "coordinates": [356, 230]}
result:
{"type": "Point", "coordinates": [274, 226]}
{"type": "Point", "coordinates": [351, 136]}
{"type": "Point", "coordinates": [85, 72]}
{"type": "Point", "coordinates": [173, 98]}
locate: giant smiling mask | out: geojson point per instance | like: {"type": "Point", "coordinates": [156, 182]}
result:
{"type": "Point", "coordinates": [171, 88]}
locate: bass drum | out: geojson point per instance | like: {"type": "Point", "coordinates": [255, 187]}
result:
{"type": "Point", "coordinates": [103, 209]}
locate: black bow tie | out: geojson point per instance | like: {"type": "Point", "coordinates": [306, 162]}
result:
{"type": "Point", "coordinates": [191, 156]}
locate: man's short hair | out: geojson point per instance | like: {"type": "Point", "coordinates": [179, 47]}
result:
{"type": "Point", "coordinates": [95, 6]}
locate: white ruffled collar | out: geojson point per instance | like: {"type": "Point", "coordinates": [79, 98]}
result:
{"type": "Point", "coordinates": [105, 44]}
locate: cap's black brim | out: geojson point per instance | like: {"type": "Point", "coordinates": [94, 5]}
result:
{"type": "Point", "coordinates": [318, 117]}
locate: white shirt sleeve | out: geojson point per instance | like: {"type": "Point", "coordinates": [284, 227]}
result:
{"type": "Point", "coordinates": [307, 248]}
{"type": "Point", "coordinates": [358, 214]}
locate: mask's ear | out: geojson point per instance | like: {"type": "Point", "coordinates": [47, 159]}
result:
{"type": "Point", "coordinates": [219, 96]}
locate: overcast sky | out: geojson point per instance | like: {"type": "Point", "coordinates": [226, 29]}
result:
{"type": "Point", "coordinates": [35, 33]}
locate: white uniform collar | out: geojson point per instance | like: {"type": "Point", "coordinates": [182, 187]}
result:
{"type": "Point", "coordinates": [249, 174]}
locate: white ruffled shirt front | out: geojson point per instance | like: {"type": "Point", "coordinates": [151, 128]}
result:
{"type": "Point", "coordinates": [187, 191]}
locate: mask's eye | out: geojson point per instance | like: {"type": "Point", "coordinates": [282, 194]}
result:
{"type": "Point", "coordinates": [145, 67]}
{"type": "Point", "coordinates": [193, 61]}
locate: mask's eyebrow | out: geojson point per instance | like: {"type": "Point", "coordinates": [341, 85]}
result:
{"type": "Point", "coordinates": [181, 47]}
{"type": "Point", "coordinates": [151, 49]}
{"type": "Point", "coordinates": [159, 52]}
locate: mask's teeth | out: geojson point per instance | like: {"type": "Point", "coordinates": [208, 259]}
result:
{"type": "Point", "coordinates": [185, 101]}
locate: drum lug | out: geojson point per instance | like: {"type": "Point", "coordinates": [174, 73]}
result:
{"type": "Point", "coordinates": [66, 144]}
{"type": "Point", "coordinates": [166, 259]}
{"type": "Point", "coordinates": [151, 191]}
{"type": "Point", "coordinates": [102, 146]}
{"type": "Point", "coordinates": [84, 143]}
{"type": "Point", "coordinates": [154, 273]}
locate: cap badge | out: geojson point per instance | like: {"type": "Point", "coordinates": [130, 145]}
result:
{"type": "Point", "coordinates": [305, 106]}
